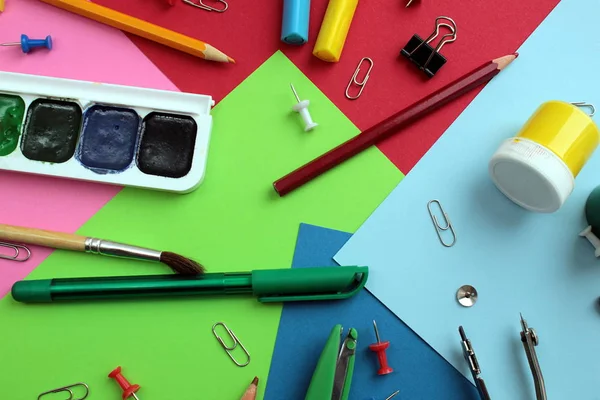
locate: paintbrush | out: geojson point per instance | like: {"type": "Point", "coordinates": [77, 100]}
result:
{"type": "Point", "coordinates": [69, 241]}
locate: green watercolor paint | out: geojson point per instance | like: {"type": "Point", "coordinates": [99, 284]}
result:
{"type": "Point", "coordinates": [12, 110]}
{"type": "Point", "coordinates": [51, 130]}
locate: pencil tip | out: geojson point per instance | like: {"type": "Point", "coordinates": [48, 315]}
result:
{"type": "Point", "coordinates": [516, 54]}
{"type": "Point", "coordinates": [255, 381]}
{"type": "Point", "coordinates": [231, 60]}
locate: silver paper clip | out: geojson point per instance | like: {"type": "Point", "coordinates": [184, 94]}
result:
{"type": "Point", "coordinates": [229, 349]}
{"type": "Point", "coordinates": [203, 6]}
{"type": "Point", "coordinates": [17, 254]}
{"type": "Point", "coordinates": [471, 359]}
{"type": "Point", "coordinates": [67, 389]}
{"type": "Point", "coordinates": [530, 339]}
{"type": "Point", "coordinates": [439, 228]}
{"type": "Point", "coordinates": [363, 82]}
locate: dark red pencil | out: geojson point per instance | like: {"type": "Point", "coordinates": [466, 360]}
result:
{"type": "Point", "coordinates": [391, 125]}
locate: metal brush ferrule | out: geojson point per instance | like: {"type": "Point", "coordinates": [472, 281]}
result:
{"type": "Point", "coordinates": [107, 248]}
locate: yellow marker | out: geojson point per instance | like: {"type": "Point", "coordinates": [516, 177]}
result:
{"type": "Point", "coordinates": [1, 5]}
{"type": "Point", "coordinates": [334, 29]}
{"type": "Point", "coordinates": [537, 168]}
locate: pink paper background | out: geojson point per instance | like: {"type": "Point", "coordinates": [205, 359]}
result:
{"type": "Point", "coordinates": [83, 50]}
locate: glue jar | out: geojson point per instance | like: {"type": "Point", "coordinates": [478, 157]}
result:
{"type": "Point", "coordinates": [537, 168]}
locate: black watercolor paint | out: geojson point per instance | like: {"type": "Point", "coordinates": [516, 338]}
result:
{"type": "Point", "coordinates": [167, 145]}
{"type": "Point", "coordinates": [51, 130]}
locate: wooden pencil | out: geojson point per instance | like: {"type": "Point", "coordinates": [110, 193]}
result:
{"type": "Point", "coordinates": [250, 393]}
{"type": "Point", "coordinates": [391, 125]}
{"type": "Point", "coordinates": [142, 28]}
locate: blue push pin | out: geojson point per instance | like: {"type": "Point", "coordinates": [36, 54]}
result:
{"type": "Point", "coordinates": [28, 44]}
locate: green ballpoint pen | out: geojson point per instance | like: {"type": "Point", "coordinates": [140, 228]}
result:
{"type": "Point", "coordinates": [269, 286]}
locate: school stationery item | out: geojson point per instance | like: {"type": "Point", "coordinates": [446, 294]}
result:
{"type": "Point", "coordinates": [16, 248]}
{"type": "Point", "coordinates": [391, 396]}
{"type": "Point", "coordinates": [334, 29]}
{"type": "Point", "coordinates": [121, 135]}
{"type": "Point", "coordinates": [364, 80]}
{"type": "Point", "coordinates": [409, 3]}
{"type": "Point", "coordinates": [28, 44]}
{"type": "Point", "coordinates": [250, 393]}
{"type": "Point", "coordinates": [269, 286]}
{"type": "Point", "coordinates": [391, 125]}
{"type": "Point", "coordinates": [423, 55]}
{"type": "Point", "coordinates": [129, 390]}
{"type": "Point", "coordinates": [466, 295]}
{"type": "Point", "coordinates": [471, 359]}
{"type": "Point", "coordinates": [294, 26]}
{"type": "Point", "coordinates": [504, 249]}
{"type": "Point", "coordinates": [440, 228]}
{"type": "Point", "coordinates": [302, 108]}
{"type": "Point", "coordinates": [69, 241]}
{"type": "Point", "coordinates": [530, 340]}
{"type": "Point", "coordinates": [333, 374]}
{"type": "Point", "coordinates": [200, 4]}
{"type": "Point", "coordinates": [592, 238]}
{"type": "Point", "coordinates": [592, 215]}
{"type": "Point", "coordinates": [229, 349]}
{"type": "Point", "coordinates": [142, 28]}
{"type": "Point", "coordinates": [537, 168]}
{"type": "Point", "coordinates": [68, 389]}
{"type": "Point", "coordinates": [380, 347]}
{"type": "Point", "coordinates": [1, 6]}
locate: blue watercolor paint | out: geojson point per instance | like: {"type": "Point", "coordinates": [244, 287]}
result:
{"type": "Point", "coordinates": [109, 138]}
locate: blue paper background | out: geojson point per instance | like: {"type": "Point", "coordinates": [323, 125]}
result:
{"type": "Point", "coordinates": [519, 261]}
{"type": "Point", "coordinates": [419, 372]}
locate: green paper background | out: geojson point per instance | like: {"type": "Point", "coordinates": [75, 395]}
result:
{"type": "Point", "coordinates": [233, 222]}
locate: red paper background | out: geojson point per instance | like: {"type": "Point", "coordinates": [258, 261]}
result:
{"type": "Point", "coordinates": [249, 31]}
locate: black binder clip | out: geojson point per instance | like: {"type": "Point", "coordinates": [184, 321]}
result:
{"type": "Point", "coordinates": [420, 52]}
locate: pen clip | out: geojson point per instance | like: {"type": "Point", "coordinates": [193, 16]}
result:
{"type": "Point", "coordinates": [360, 279]}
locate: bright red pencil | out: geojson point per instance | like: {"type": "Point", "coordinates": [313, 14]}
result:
{"type": "Point", "coordinates": [391, 125]}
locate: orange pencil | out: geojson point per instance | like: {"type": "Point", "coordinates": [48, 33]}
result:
{"type": "Point", "coordinates": [142, 28]}
{"type": "Point", "coordinates": [251, 391]}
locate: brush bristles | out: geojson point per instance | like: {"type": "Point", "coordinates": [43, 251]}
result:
{"type": "Point", "coordinates": [180, 264]}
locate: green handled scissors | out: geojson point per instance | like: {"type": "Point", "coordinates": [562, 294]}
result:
{"type": "Point", "coordinates": [333, 375]}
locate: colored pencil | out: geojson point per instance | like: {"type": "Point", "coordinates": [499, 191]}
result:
{"type": "Point", "coordinates": [142, 28]}
{"type": "Point", "coordinates": [391, 125]}
{"type": "Point", "coordinates": [250, 393]}
{"type": "Point", "coordinates": [1, 6]}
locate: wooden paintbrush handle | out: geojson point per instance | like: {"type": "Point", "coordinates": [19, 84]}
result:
{"type": "Point", "coordinates": [56, 240]}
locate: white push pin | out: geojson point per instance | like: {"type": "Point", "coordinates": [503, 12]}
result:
{"type": "Point", "coordinates": [302, 108]}
{"type": "Point", "coordinates": [587, 232]}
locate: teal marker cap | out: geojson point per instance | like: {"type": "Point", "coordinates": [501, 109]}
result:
{"type": "Point", "coordinates": [305, 284]}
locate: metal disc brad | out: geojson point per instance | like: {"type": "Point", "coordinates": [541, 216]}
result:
{"type": "Point", "coordinates": [466, 295]}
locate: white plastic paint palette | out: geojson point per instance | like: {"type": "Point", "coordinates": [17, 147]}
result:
{"type": "Point", "coordinates": [113, 134]}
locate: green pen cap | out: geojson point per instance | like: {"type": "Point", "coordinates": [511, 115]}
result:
{"type": "Point", "coordinates": [300, 284]}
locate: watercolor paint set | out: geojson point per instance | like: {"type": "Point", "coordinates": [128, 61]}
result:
{"type": "Point", "coordinates": [121, 135]}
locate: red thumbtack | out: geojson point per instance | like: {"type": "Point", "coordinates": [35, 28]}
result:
{"type": "Point", "coordinates": [380, 348]}
{"type": "Point", "coordinates": [128, 389]}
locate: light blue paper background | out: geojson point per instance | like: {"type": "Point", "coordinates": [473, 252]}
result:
{"type": "Point", "coordinates": [519, 261]}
